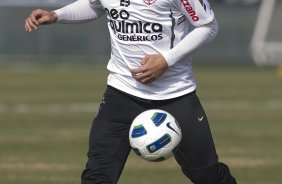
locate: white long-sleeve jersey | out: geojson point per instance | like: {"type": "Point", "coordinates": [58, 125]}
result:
{"type": "Point", "coordinates": [173, 28]}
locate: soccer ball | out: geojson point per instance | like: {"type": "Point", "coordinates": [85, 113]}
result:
{"type": "Point", "coordinates": [155, 135]}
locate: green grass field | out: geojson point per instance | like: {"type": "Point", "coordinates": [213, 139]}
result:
{"type": "Point", "coordinates": [46, 112]}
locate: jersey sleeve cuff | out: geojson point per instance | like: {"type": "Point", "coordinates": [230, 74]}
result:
{"type": "Point", "coordinates": [59, 14]}
{"type": "Point", "coordinates": [169, 58]}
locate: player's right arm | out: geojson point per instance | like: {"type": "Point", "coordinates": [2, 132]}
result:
{"type": "Point", "coordinates": [77, 12]}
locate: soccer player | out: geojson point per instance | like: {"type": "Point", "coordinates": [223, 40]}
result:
{"type": "Point", "coordinates": [150, 68]}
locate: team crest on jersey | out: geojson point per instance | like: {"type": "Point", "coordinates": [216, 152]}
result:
{"type": "Point", "coordinates": [125, 3]}
{"type": "Point", "coordinates": [150, 2]}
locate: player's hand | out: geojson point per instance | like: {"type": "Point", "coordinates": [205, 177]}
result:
{"type": "Point", "coordinates": [39, 17]}
{"type": "Point", "coordinates": [152, 67]}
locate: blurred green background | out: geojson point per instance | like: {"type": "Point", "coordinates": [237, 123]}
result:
{"type": "Point", "coordinates": [52, 81]}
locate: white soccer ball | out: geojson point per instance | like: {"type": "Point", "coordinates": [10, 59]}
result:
{"type": "Point", "coordinates": [155, 135]}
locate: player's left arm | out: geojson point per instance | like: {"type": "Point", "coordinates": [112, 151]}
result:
{"type": "Point", "coordinates": [200, 14]}
{"type": "Point", "coordinates": [196, 39]}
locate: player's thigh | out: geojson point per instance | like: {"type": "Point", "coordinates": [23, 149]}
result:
{"type": "Point", "coordinates": [197, 148]}
{"type": "Point", "coordinates": [109, 131]}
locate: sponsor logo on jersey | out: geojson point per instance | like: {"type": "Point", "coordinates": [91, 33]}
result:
{"type": "Point", "coordinates": [190, 10]}
{"type": "Point", "coordinates": [133, 30]}
{"type": "Point", "coordinates": [149, 2]}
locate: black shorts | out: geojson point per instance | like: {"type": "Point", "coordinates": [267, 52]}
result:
{"type": "Point", "coordinates": [109, 141]}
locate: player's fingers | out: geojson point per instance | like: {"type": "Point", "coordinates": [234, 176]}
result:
{"type": "Point", "coordinates": [43, 20]}
{"type": "Point", "coordinates": [144, 78]}
{"type": "Point", "coordinates": [38, 13]}
{"type": "Point", "coordinates": [31, 24]}
{"type": "Point", "coordinates": [35, 15]}
{"type": "Point", "coordinates": [136, 71]}
{"type": "Point", "coordinates": [137, 76]}
{"type": "Point", "coordinates": [141, 69]}
{"type": "Point", "coordinates": [33, 18]}
{"type": "Point", "coordinates": [147, 80]}
{"type": "Point", "coordinates": [144, 60]}
{"type": "Point", "coordinates": [27, 26]}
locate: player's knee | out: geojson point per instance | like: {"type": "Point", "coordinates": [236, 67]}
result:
{"type": "Point", "coordinates": [216, 174]}
{"type": "Point", "coordinates": [103, 169]}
